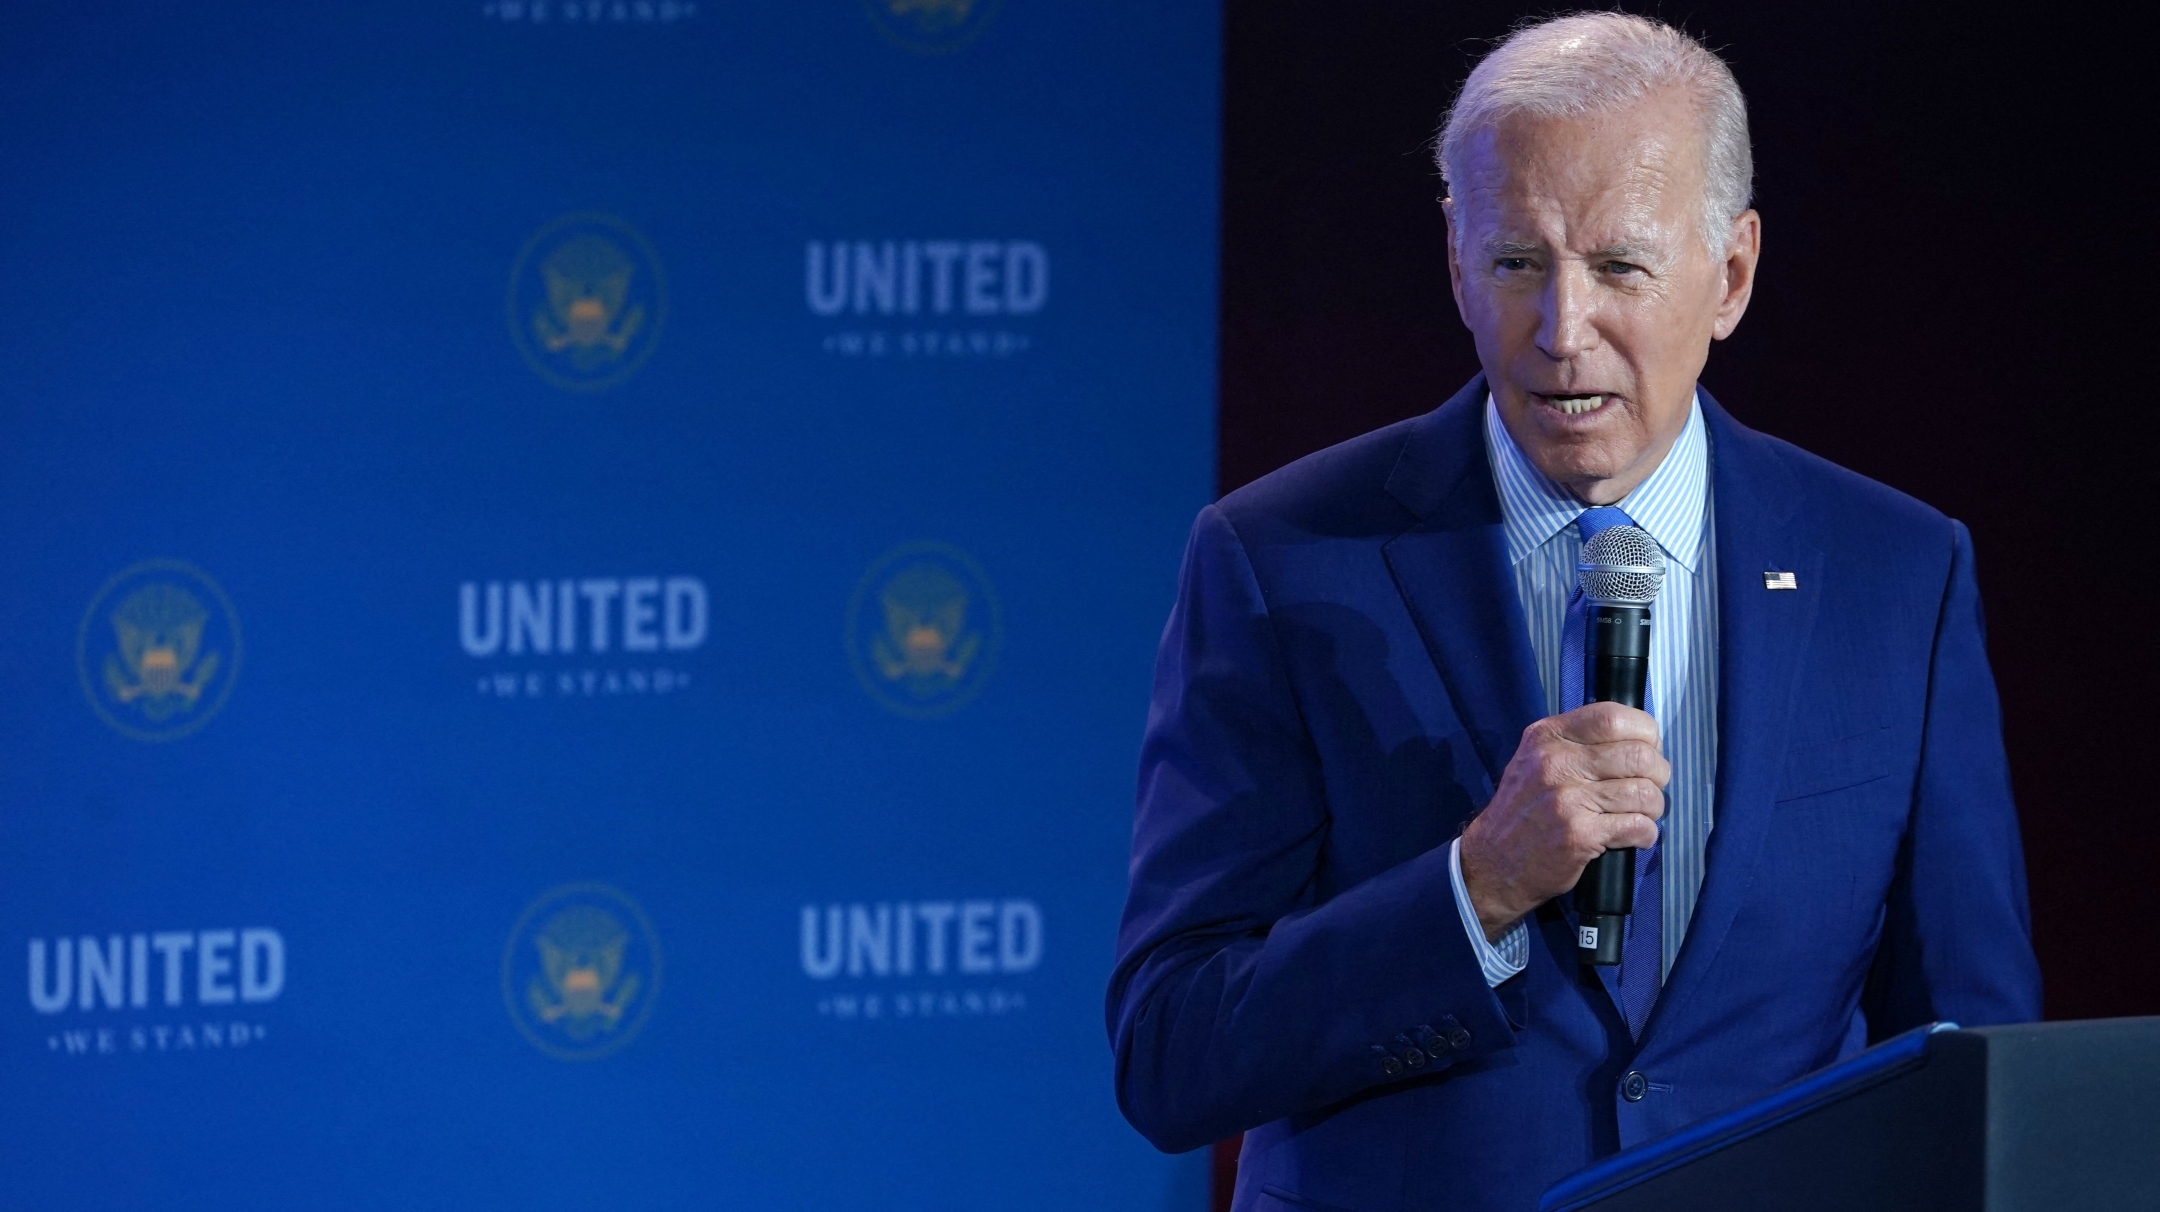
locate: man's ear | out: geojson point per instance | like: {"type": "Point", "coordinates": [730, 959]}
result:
{"type": "Point", "coordinates": [1743, 250]}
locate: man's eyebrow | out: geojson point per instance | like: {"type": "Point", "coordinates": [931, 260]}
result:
{"type": "Point", "coordinates": [1622, 251]}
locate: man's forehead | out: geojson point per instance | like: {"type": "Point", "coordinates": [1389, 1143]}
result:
{"type": "Point", "coordinates": [1620, 177]}
{"type": "Point", "coordinates": [1659, 132]}
{"type": "Point", "coordinates": [1611, 204]}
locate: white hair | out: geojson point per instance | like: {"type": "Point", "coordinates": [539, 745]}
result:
{"type": "Point", "coordinates": [1590, 63]}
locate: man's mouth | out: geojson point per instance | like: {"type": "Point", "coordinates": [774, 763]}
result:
{"type": "Point", "coordinates": [1577, 404]}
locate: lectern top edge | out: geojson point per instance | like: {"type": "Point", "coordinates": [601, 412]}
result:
{"type": "Point", "coordinates": [1880, 1063]}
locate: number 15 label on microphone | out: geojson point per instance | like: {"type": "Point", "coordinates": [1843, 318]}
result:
{"type": "Point", "coordinates": [1586, 937]}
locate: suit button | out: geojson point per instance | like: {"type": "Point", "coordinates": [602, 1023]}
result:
{"type": "Point", "coordinates": [1414, 1058]}
{"type": "Point", "coordinates": [1393, 1067]}
{"type": "Point", "coordinates": [1459, 1038]}
{"type": "Point", "coordinates": [1634, 1086]}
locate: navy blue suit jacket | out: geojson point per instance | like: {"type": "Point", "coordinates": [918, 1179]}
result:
{"type": "Point", "coordinates": [1343, 679]}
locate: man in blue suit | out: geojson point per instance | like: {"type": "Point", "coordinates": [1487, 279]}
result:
{"type": "Point", "coordinates": [1369, 780]}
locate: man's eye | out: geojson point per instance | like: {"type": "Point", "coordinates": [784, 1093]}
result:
{"type": "Point", "coordinates": [1622, 267]}
{"type": "Point", "coordinates": [1513, 264]}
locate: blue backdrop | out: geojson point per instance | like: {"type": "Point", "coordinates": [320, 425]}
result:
{"type": "Point", "coordinates": [578, 590]}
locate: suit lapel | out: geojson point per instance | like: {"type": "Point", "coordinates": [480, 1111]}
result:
{"type": "Point", "coordinates": [1762, 635]}
{"type": "Point", "coordinates": [1452, 571]}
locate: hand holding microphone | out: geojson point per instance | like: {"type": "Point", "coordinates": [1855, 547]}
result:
{"type": "Point", "coordinates": [1585, 788]}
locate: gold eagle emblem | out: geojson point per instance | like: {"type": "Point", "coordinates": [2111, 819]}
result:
{"type": "Point", "coordinates": [924, 629]}
{"type": "Point", "coordinates": [581, 971]}
{"type": "Point", "coordinates": [927, 640]}
{"type": "Point", "coordinates": [588, 317]}
{"type": "Point", "coordinates": [581, 987]}
{"type": "Point", "coordinates": [159, 666]}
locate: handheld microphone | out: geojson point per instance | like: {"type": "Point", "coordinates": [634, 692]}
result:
{"type": "Point", "coordinates": [1620, 574]}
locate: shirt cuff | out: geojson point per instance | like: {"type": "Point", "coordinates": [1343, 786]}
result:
{"type": "Point", "coordinates": [1500, 960]}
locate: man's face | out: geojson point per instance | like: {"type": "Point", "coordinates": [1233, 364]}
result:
{"type": "Point", "coordinates": [1578, 261]}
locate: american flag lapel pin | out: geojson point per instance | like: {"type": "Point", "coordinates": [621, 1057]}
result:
{"type": "Point", "coordinates": [1779, 580]}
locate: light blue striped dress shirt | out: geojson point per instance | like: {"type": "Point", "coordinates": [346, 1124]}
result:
{"type": "Point", "coordinates": [1673, 505]}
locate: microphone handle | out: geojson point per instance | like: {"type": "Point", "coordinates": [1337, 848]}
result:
{"type": "Point", "coordinates": [1619, 672]}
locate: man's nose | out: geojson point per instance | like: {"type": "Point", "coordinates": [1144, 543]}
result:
{"type": "Point", "coordinates": [1565, 322]}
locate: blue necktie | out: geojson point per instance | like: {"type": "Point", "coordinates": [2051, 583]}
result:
{"type": "Point", "coordinates": [1642, 955]}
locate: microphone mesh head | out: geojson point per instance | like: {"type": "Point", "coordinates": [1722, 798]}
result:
{"type": "Point", "coordinates": [1622, 564]}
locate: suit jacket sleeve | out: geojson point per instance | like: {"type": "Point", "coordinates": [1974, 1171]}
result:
{"type": "Point", "coordinates": [1242, 994]}
{"type": "Point", "coordinates": [1957, 938]}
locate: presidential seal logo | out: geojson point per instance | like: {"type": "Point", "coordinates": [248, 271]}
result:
{"type": "Point", "coordinates": [581, 971]}
{"type": "Point", "coordinates": [924, 629]}
{"type": "Point", "coordinates": [587, 302]}
{"type": "Point", "coordinates": [931, 27]}
{"type": "Point", "coordinates": [158, 650]}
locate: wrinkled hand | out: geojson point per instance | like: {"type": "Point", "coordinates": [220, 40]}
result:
{"type": "Point", "coordinates": [1580, 784]}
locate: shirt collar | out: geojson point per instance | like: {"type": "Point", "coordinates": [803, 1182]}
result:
{"type": "Point", "coordinates": [1670, 504]}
